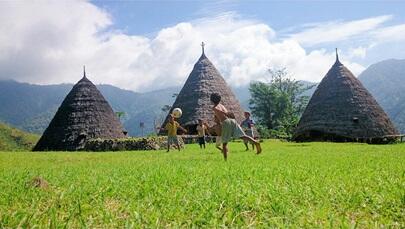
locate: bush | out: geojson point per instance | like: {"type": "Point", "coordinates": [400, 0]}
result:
{"type": "Point", "coordinates": [266, 133]}
{"type": "Point", "coordinates": [263, 132]}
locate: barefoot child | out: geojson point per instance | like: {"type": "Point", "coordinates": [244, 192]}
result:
{"type": "Point", "coordinates": [230, 128]}
{"type": "Point", "coordinates": [217, 130]}
{"type": "Point", "coordinates": [201, 128]}
{"type": "Point", "coordinates": [171, 128]}
{"type": "Point", "coordinates": [247, 126]}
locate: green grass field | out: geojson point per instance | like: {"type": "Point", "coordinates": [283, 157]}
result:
{"type": "Point", "coordinates": [289, 185]}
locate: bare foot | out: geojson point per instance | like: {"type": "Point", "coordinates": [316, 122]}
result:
{"type": "Point", "coordinates": [258, 148]}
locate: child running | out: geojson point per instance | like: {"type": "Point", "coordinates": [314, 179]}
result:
{"type": "Point", "coordinates": [217, 130]}
{"type": "Point", "coordinates": [247, 126]}
{"type": "Point", "coordinates": [171, 128]}
{"type": "Point", "coordinates": [230, 128]}
{"type": "Point", "coordinates": [201, 128]}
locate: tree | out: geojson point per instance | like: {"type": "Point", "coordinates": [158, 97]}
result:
{"type": "Point", "coordinates": [278, 103]}
{"type": "Point", "coordinates": [120, 114]}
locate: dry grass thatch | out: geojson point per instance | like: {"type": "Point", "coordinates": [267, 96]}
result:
{"type": "Point", "coordinates": [83, 115]}
{"type": "Point", "coordinates": [194, 97]}
{"type": "Point", "coordinates": [341, 109]}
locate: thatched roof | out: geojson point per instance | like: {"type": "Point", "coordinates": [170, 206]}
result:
{"type": "Point", "coordinates": [194, 97]}
{"type": "Point", "coordinates": [341, 109]}
{"type": "Point", "coordinates": [83, 115]}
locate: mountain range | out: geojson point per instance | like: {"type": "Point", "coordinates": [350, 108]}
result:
{"type": "Point", "coordinates": [386, 82]}
{"type": "Point", "coordinates": [31, 107]}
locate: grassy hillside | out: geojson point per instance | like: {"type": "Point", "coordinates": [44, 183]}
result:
{"type": "Point", "coordinates": [12, 139]}
{"type": "Point", "coordinates": [311, 185]}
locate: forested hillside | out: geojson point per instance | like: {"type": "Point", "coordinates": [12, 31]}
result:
{"type": "Point", "coordinates": [31, 107]}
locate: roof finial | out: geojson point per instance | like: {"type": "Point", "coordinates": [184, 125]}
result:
{"type": "Point", "coordinates": [202, 46]}
{"type": "Point", "coordinates": [337, 56]}
{"type": "Point", "coordinates": [84, 71]}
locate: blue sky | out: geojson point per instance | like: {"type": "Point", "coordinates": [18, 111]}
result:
{"type": "Point", "coordinates": [148, 45]}
{"type": "Point", "coordinates": [148, 17]}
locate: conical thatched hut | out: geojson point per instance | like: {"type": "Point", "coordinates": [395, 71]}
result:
{"type": "Point", "coordinates": [341, 109]}
{"type": "Point", "coordinates": [194, 97]}
{"type": "Point", "coordinates": [83, 115]}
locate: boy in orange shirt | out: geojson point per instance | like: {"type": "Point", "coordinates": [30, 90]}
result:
{"type": "Point", "coordinates": [171, 128]}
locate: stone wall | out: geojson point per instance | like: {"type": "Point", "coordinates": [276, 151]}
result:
{"type": "Point", "coordinates": [127, 144]}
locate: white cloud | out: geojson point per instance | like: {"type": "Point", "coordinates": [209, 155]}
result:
{"type": "Point", "coordinates": [337, 31]}
{"type": "Point", "coordinates": [390, 33]}
{"type": "Point", "coordinates": [49, 42]}
{"type": "Point", "coordinates": [358, 52]}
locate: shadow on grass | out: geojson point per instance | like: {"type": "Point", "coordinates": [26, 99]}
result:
{"type": "Point", "coordinates": [298, 145]}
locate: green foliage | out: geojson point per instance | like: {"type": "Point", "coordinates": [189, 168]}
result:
{"type": "Point", "coordinates": [120, 114]}
{"type": "Point", "coordinates": [313, 185]}
{"type": "Point", "coordinates": [264, 133]}
{"type": "Point", "coordinates": [279, 103]}
{"type": "Point", "coordinates": [12, 139]}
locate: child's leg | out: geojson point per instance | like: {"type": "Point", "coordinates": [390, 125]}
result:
{"type": "Point", "coordinates": [199, 142]}
{"type": "Point", "coordinates": [246, 145]}
{"type": "Point", "coordinates": [256, 143]}
{"type": "Point", "coordinates": [168, 145]}
{"type": "Point", "coordinates": [218, 143]}
{"type": "Point", "coordinates": [225, 150]}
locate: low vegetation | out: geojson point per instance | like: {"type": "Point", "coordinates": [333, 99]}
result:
{"type": "Point", "coordinates": [289, 185]}
{"type": "Point", "coordinates": [12, 139]}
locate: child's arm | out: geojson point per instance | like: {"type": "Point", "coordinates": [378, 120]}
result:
{"type": "Point", "coordinates": [161, 128]}
{"type": "Point", "coordinates": [182, 129]}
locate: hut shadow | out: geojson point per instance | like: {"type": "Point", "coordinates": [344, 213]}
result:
{"type": "Point", "coordinates": [298, 145]}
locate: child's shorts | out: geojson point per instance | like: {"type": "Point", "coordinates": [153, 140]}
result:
{"type": "Point", "coordinates": [231, 129]}
{"type": "Point", "coordinates": [201, 140]}
{"type": "Point", "coordinates": [172, 140]}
